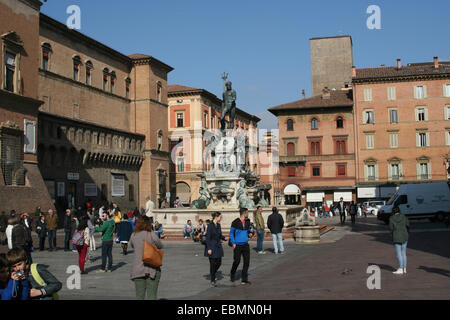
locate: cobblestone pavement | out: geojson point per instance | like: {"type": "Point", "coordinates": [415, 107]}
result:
{"type": "Point", "coordinates": [334, 269]}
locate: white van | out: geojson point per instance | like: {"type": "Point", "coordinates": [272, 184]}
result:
{"type": "Point", "coordinates": [419, 200]}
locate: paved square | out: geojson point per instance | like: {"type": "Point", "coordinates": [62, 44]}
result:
{"type": "Point", "coordinates": [303, 272]}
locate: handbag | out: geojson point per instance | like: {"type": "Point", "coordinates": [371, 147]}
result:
{"type": "Point", "coordinates": [151, 255]}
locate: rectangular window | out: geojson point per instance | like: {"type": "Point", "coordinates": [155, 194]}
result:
{"type": "Point", "coordinates": [180, 164]}
{"type": "Point", "coordinates": [340, 147]}
{"type": "Point", "coordinates": [391, 93]}
{"type": "Point", "coordinates": [88, 76]}
{"type": "Point", "coordinates": [395, 171]}
{"type": "Point", "coordinates": [369, 117]}
{"type": "Point", "coordinates": [447, 138]}
{"type": "Point", "coordinates": [341, 170]}
{"type": "Point", "coordinates": [421, 114]}
{"type": "Point", "coordinates": [29, 142]}
{"type": "Point", "coordinates": [75, 72]}
{"type": "Point", "coordinates": [90, 190]}
{"type": "Point", "coordinates": [370, 141]}
{"type": "Point", "coordinates": [422, 139]}
{"type": "Point", "coordinates": [423, 170]}
{"type": "Point", "coordinates": [118, 185]}
{"type": "Point", "coordinates": [447, 113]}
{"type": "Point", "coordinates": [10, 66]}
{"type": "Point", "coordinates": [315, 148]}
{"type": "Point", "coordinates": [371, 172]}
{"type": "Point", "coordinates": [316, 171]}
{"type": "Point", "coordinates": [393, 140]}
{"type": "Point", "coordinates": [368, 94]}
{"type": "Point", "coordinates": [291, 171]}
{"type": "Point", "coordinates": [393, 115]}
{"type": "Point", "coordinates": [420, 92]}
{"type": "Point", "coordinates": [205, 119]}
{"type": "Point", "coordinates": [447, 90]}
{"type": "Point", "coordinates": [180, 120]}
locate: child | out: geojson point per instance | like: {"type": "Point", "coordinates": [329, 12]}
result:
{"type": "Point", "coordinates": [38, 282]}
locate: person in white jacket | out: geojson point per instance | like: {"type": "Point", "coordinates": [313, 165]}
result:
{"type": "Point", "coordinates": [9, 228]}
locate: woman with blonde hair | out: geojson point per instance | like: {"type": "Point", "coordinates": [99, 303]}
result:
{"type": "Point", "coordinates": [146, 278]}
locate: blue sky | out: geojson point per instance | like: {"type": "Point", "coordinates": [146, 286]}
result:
{"type": "Point", "coordinates": [263, 45]}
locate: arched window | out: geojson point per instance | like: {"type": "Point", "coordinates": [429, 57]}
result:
{"type": "Point", "coordinates": [89, 68]}
{"type": "Point", "coordinates": [46, 50]}
{"type": "Point", "coordinates": [314, 124]}
{"type": "Point", "coordinates": [160, 136]}
{"type": "Point", "coordinates": [158, 91]}
{"type": "Point", "coordinates": [290, 125]}
{"type": "Point", "coordinates": [127, 87]}
{"type": "Point", "coordinates": [76, 68]}
{"type": "Point", "coordinates": [291, 149]}
{"type": "Point", "coordinates": [340, 122]}
{"type": "Point", "coordinates": [105, 78]}
{"type": "Point", "coordinates": [113, 80]}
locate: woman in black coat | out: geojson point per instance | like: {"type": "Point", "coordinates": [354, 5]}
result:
{"type": "Point", "coordinates": [213, 249]}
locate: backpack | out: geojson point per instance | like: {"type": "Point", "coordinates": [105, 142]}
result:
{"type": "Point", "coordinates": [37, 277]}
{"type": "Point", "coordinates": [78, 238]}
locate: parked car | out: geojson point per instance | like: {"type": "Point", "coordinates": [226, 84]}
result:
{"type": "Point", "coordinates": [372, 207]}
{"type": "Point", "coordinates": [420, 200]}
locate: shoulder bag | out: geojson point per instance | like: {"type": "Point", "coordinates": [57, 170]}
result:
{"type": "Point", "coordinates": [151, 255]}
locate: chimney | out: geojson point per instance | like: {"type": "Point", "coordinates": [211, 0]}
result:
{"type": "Point", "coordinates": [326, 93]}
{"type": "Point", "coordinates": [436, 63]}
{"type": "Point", "coordinates": [353, 72]}
{"type": "Point", "coordinates": [303, 94]}
{"type": "Point", "coordinates": [399, 63]}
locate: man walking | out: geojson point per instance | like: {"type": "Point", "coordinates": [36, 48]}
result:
{"type": "Point", "coordinates": [67, 230]}
{"type": "Point", "coordinates": [52, 225]}
{"type": "Point", "coordinates": [107, 230]}
{"type": "Point", "coordinates": [275, 223]}
{"type": "Point", "coordinates": [239, 236]}
{"type": "Point", "coordinates": [341, 208]}
{"type": "Point", "coordinates": [259, 221]}
{"type": "Point", "coordinates": [353, 211]}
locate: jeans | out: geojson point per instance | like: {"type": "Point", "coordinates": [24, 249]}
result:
{"type": "Point", "coordinates": [280, 239]}
{"type": "Point", "coordinates": [400, 249]}
{"type": "Point", "coordinates": [147, 286]}
{"type": "Point", "coordinates": [190, 235]}
{"type": "Point", "coordinates": [67, 238]}
{"type": "Point", "coordinates": [353, 216]}
{"type": "Point", "coordinates": [107, 253]}
{"type": "Point", "coordinates": [243, 250]}
{"type": "Point", "coordinates": [214, 265]}
{"type": "Point", "coordinates": [42, 242]}
{"type": "Point", "coordinates": [342, 216]}
{"type": "Point", "coordinates": [52, 239]}
{"type": "Point", "coordinates": [259, 242]}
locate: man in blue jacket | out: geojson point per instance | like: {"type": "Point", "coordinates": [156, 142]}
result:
{"type": "Point", "coordinates": [240, 232]}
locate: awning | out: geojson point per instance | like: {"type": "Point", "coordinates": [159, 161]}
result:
{"type": "Point", "coordinates": [370, 192]}
{"type": "Point", "coordinates": [347, 195]}
{"type": "Point", "coordinates": [315, 196]}
{"type": "Point", "coordinates": [291, 189]}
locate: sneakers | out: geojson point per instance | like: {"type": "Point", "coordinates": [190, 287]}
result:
{"type": "Point", "coordinates": [261, 252]}
{"type": "Point", "coordinates": [246, 282]}
{"type": "Point", "coordinates": [404, 270]}
{"type": "Point", "coordinates": [399, 271]}
{"type": "Point", "coordinates": [100, 271]}
{"type": "Point", "coordinates": [276, 252]}
{"type": "Point", "coordinates": [281, 252]}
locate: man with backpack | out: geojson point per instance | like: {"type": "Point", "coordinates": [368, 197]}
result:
{"type": "Point", "coordinates": [240, 233]}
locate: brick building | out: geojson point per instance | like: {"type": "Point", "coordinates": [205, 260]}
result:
{"type": "Point", "coordinates": [21, 185]}
{"type": "Point", "coordinates": [316, 148]}
{"type": "Point", "coordinates": [103, 132]}
{"type": "Point", "coordinates": [192, 113]}
{"type": "Point", "coordinates": [402, 125]}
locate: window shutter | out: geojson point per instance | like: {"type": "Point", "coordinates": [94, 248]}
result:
{"type": "Point", "coordinates": [365, 116]}
{"type": "Point", "coordinates": [389, 171]}
{"type": "Point", "coordinates": [366, 173]}
{"type": "Point", "coordinates": [416, 93]}
{"type": "Point", "coordinates": [426, 114]}
{"type": "Point", "coordinates": [416, 114]}
{"type": "Point", "coordinates": [425, 91]}
{"type": "Point", "coordinates": [30, 136]}
{"type": "Point", "coordinates": [417, 140]}
{"type": "Point", "coordinates": [428, 139]}
{"type": "Point", "coordinates": [429, 169]}
{"type": "Point", "coordinates": [418, 171]}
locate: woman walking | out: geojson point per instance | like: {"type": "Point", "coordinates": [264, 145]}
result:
{"type": "Point", "coordinates": [399, 226]}
{"type": "Point", "coordinates": [213, 249]}
{"type": "Point", "coordinates": [41, 228]}
{"type": "Point", "coordinates": [81, 239]}
{"type": "Point", "coordinates": [146, 278]}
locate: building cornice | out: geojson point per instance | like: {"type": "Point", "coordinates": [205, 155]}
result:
{"type": "Point", "coordinates": [35, 4]}
{"type": "Point", "coordinates": [410, 78]}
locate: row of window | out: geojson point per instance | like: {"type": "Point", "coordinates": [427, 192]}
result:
{"type": "Point", "coordinates": [316, 170]}
{"type": "Point", "coordinates": [180, 121]}
{"type": "Point", "coordinates": [422, 139]}
{"type": "Point", "coordinates": [315, 124]}
{"type": "Point", "coordinates": [420, 114]}
{"type": "Point", "coordinates": [419, 92]}
{"type": "Point", "coordinates": [423, 171]}
{"type": "Point", "coordinates": [315, 147]}
{"type": "Point", "coordinates": [109, 77]}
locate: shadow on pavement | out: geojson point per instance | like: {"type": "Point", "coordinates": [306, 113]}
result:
{"type": "Point", "coordinates": [382, 266]}
{"type": "Point", "coordinates": [436, 270]}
